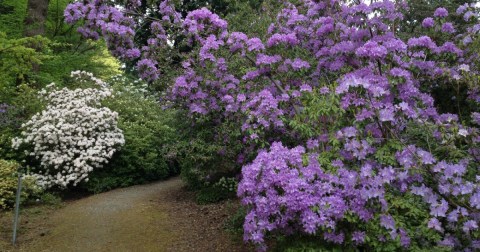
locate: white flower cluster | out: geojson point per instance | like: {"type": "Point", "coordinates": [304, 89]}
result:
{"type": "Point", "coordinates": [82, 76]}
{"type": "Point", "coordinates": [73, 135]}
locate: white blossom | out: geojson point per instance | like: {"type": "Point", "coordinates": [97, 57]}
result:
{"type": "Point", "coordinates": [464, 67]}
{"type": "Point", "coordinates": [73, 135]}
{"type": "Point", "coordinates": [463, 132]}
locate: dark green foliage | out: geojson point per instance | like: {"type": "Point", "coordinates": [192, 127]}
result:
{"type": "Point", "coordinates": [212, 194]}
{"type": "Point", "coordinates": [234, 224]}
{"type": "Point", "coordinates": [149, 139]}
{"type": "Point", "coordinates": [224, 188]}
{"type": "Point", "coordinates": [23, 103]}
{"type": "Point", "coordinates": [207, 152]}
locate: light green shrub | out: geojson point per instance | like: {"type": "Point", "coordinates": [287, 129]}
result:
{"type": "Point", "coordinates": [8, 182]}
{"type": "Point", "coordinates": [8, 185]}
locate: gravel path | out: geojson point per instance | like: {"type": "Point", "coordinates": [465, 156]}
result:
{"type": "Point", "coordinates": [155, 217]}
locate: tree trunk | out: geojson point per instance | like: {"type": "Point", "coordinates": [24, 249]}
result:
{"type": "Point", "coordinates": [36, 17]}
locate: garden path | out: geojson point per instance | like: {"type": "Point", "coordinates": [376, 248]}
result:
{"type": "Point", "coordinates": [157, 217]}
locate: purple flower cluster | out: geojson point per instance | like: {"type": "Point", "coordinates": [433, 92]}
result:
{"type": "Point", "coordinates": [117, 27]}
{"type": "Point", "coordinates": [428, 22]}
{"type": "Point", "coordinates": [440, 12]}
{"type": "Point", "coordinates": [381, 82]}
{"type": "Point", "coordinates": [286, 193]}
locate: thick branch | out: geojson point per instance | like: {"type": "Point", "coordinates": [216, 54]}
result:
{"type": "Point", "coordinates": [36, 17]}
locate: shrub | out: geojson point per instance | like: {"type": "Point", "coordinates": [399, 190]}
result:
{"type": "Point", "coordinates": [8, 183]}
{"type": "Point", "coordinates": [150, 136]}
{"type": "Point", "coordinates": [223, 189]}
{"type": "Point", "coordinates": [72, 136]}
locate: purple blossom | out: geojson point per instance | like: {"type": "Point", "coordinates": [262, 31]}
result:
{"type": "Point", "coordinates": [305, 88]}
{"type": "Point", "coordinates": [475, 200]}
{"type": "Point", "coordinates": [335, 238]}
{"type": "Point", "coordinates": [468, 15]}
{"type": "Point", "coordinates": [461, 9]}
{"type": "Point", "coordinates": [298, 64]}
{"type": "Point", "coordinates": [324, 90]}
{"type": "Point", "coordinates": [358, 237]}
{"type": "Point", "coordinates": [404, 238]}
{"type": "Point", "coordinates": [433, 223]}
{"type": "Point", "coordinates": [286, 39]}
{"type": "Point", "coordinates": [263, 59]}
{"type": "Point", "coordinates": [387, 115]}
{"type": "Point", "coordinates": [255, 44]}
{"type": "Point", "coordinates": [312, 144]}
{"type": "Point", "coordinates": [387, 222]}
{"type": "Point", "coordinates": [147, 69]}
{"type": "Point", "coordinates": [470, 225]}
{"type": "Point", "coordinates": [441, 12]}
{"type": "Point", "coordinates": [440, 209]}
{"type": "Point", "coordinates": [423, 41]}
{"type": "Point", "coordinates": [428, 22]}
{"type": "Point", "coordinates": [372, 49]}
{"type": "Point", "coordinates": [425, 157]}
{"type": "Point", "coordinates": [448, 27]}
{"type": "Point", "coordinates": [476, 118]}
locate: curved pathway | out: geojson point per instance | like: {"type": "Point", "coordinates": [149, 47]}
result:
{"type": "Point", "coordinates": [156, 217]}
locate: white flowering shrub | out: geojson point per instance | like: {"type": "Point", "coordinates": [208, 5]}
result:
{"type": "Point", "coordinates": [73, 135]}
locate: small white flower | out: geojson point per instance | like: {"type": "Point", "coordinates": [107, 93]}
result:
{"type": "Point", "coordinates": [463, 132]}
{"type": "Point", "coordinates": [464, 67]}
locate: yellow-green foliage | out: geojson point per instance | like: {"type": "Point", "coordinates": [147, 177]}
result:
{"type": "Point", "coordinates": [8, 185]}
{"type": "Point", "coordinates": [17, 58]}
{"type": "Point", "coordinates": [8, 182]}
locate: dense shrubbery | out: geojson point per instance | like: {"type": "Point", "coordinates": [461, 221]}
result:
{"type": "Point", "coordinates": [8, 185]}
{"type": "Point", "coordinates": [203, 158]}
{"type": "Point", "coordinates": [149, 152]}
{"type": "Point", "coordinates": [224, 188]}
{"type": "Point", "coordinates": [8, 182]}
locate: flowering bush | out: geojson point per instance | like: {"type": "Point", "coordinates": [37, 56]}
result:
{"type": "Point", "coordinates": [72, 136]}
{"type": "Point", "coordinates": [385, 168]}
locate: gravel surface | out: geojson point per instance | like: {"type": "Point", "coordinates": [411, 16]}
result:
{"type": "Point", "coordinates": [162, 216]}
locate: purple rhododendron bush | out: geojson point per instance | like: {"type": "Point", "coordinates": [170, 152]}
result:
{"type": "Point", "coordinates": [341, 131]}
